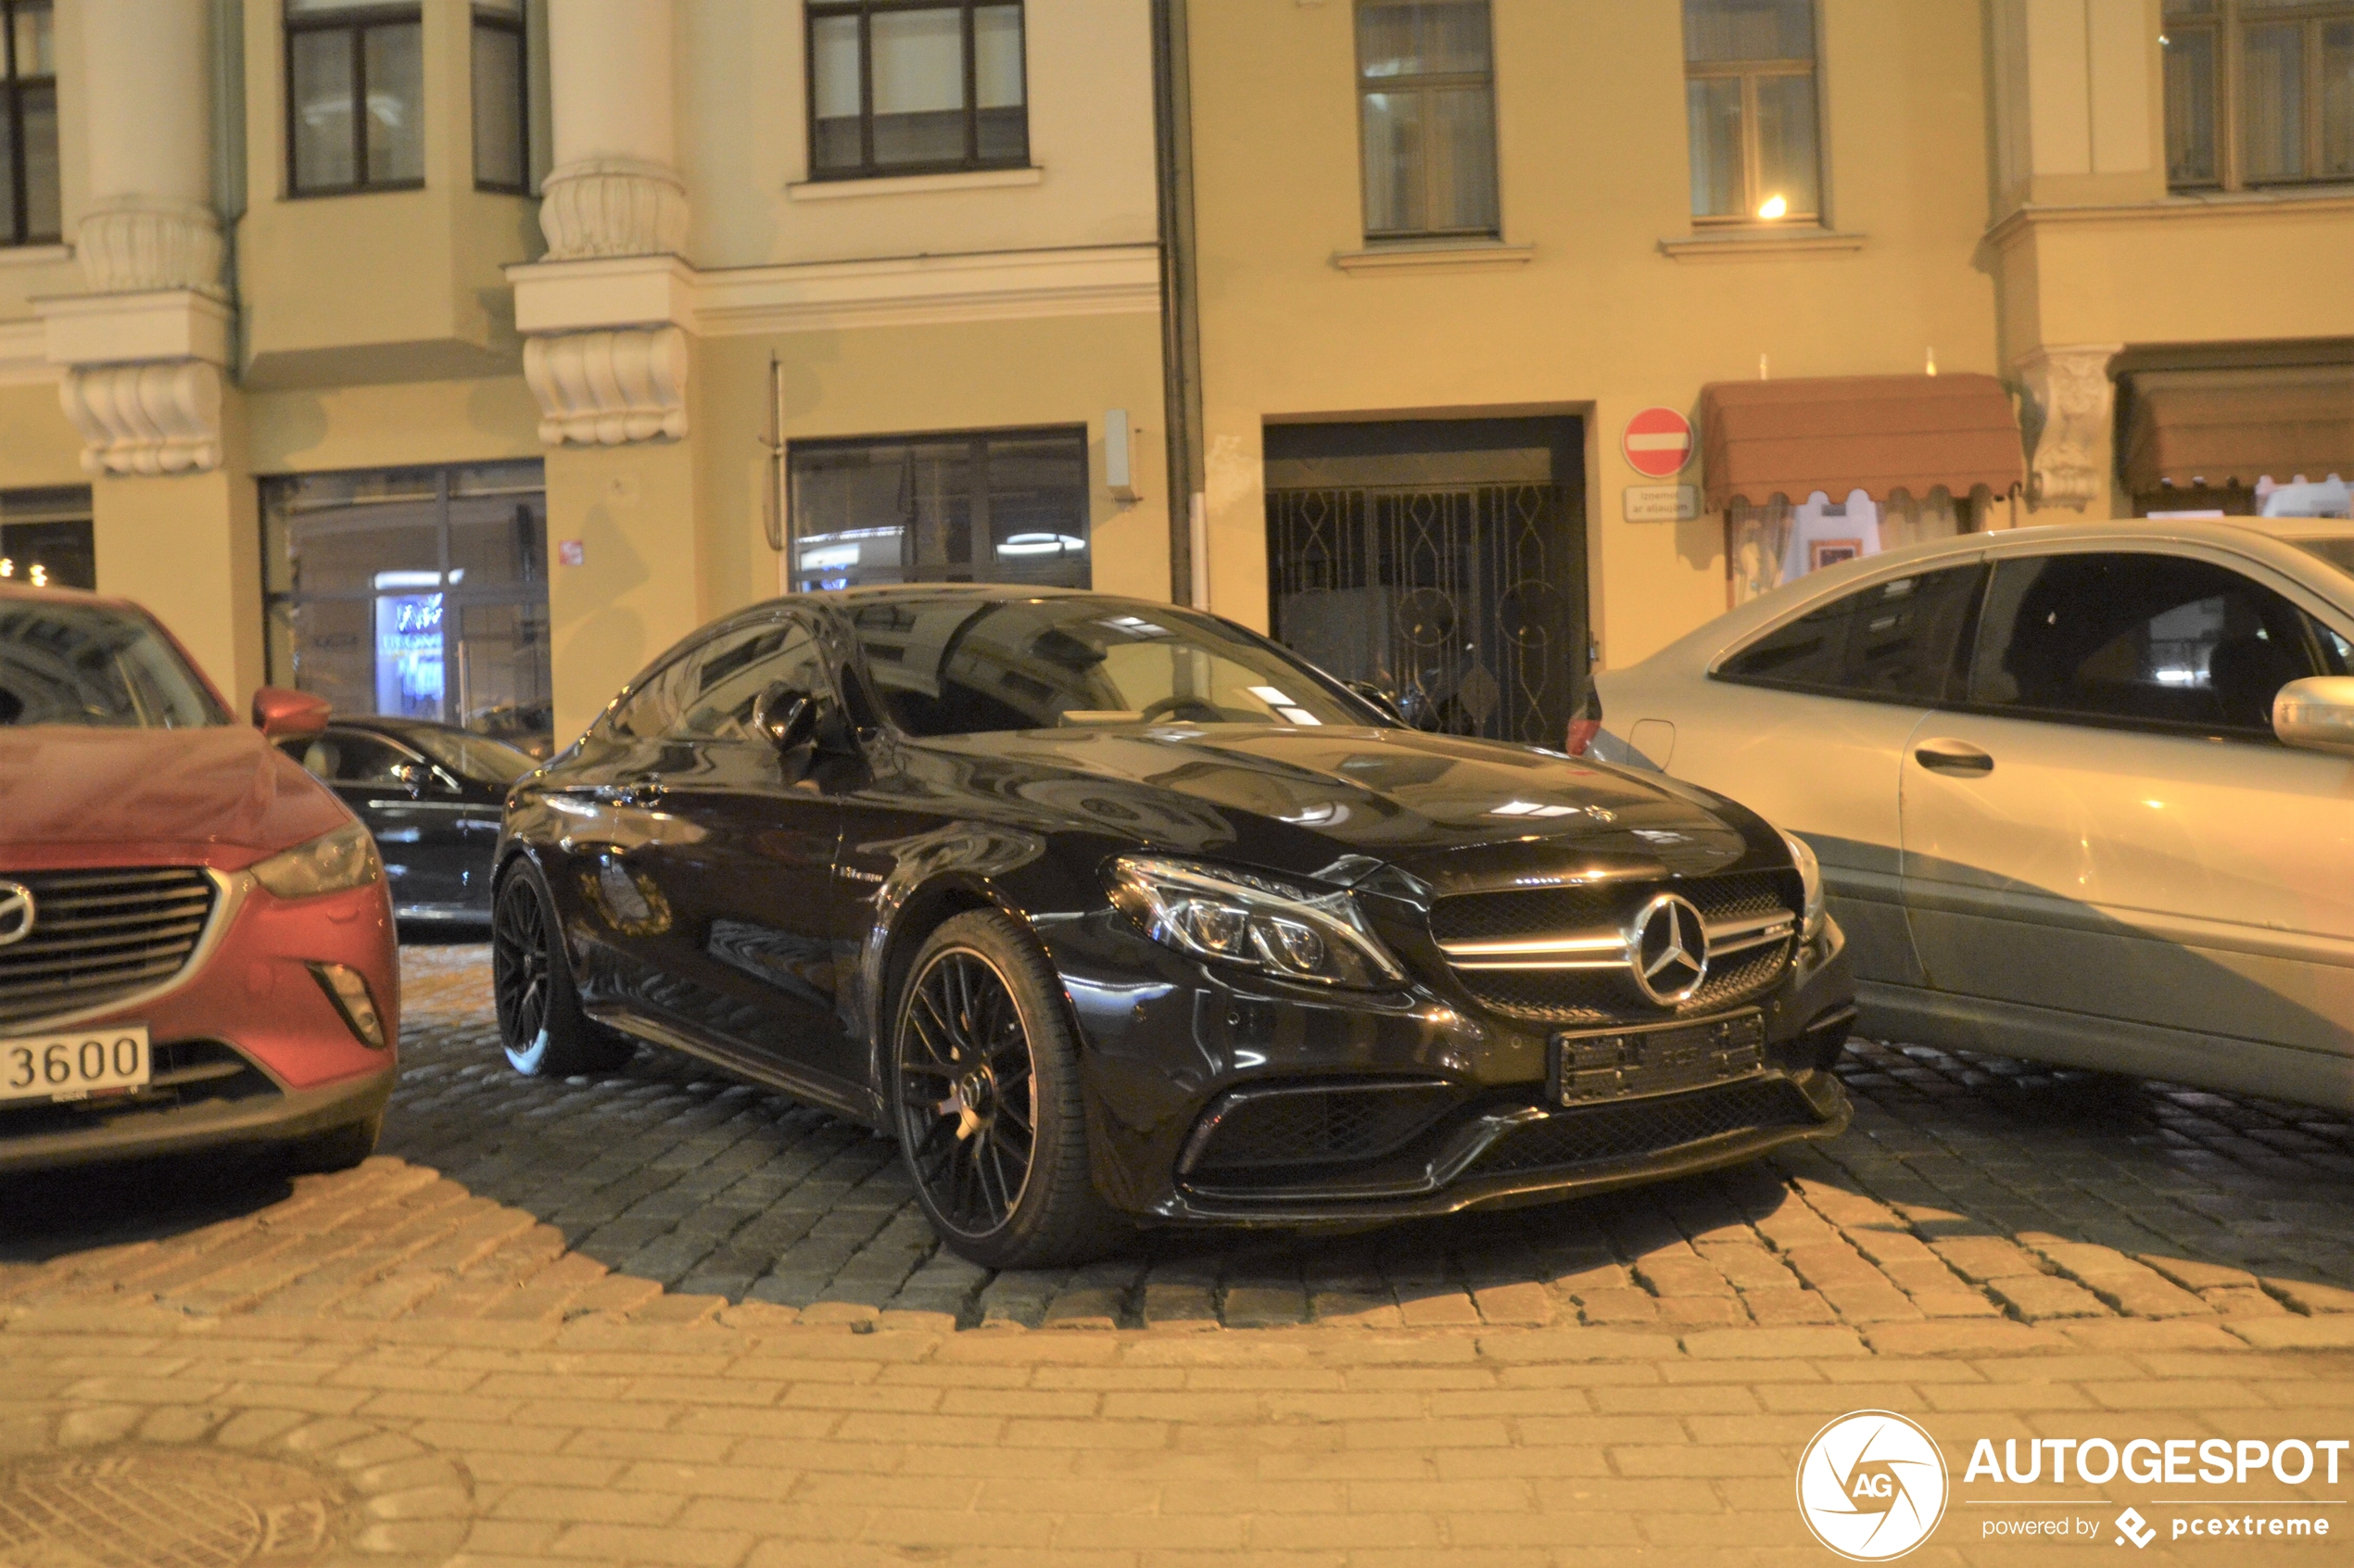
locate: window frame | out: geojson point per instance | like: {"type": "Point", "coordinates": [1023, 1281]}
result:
{"type": "Point", "coordinates": [1748, 73]}
{"type": "Point", "coordinates": [1421, 86]}
{"type": "Point", "coordinates": [14, 88]}
{"type": "Point", "coordinates": [816, 11]}
{"type": "Point", "coordinates": [2226, 25]}
{"type": "Point", "coordinates": [515, 24]}
{"type": "Point", "coordinates": [356, 22]}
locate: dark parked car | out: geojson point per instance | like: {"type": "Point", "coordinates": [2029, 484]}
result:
{"type": "Point", "coordinates": [432, 795]}
{"type": "Point", "coordinates": [1112, 912]}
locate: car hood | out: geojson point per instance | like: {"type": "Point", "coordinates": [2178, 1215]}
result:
{"type": "Point", "coordinates": [1457, 812]}
{"type": "Point", "coordinates": [221, 795]}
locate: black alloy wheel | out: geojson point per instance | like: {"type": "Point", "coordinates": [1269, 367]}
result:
{"type": "Point", "coordinates": [540, 1024]}
{"type": "Point", "coordinates": [984, 1098]}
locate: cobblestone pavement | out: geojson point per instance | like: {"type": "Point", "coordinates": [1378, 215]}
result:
{"type": "Point", "coordinates": [1976, 1203]}
{"type": "Point", "coordinates": [758, 1446]}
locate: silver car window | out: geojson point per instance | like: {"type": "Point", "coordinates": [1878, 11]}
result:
{"type": "Point", "coordinates": [2156, 642]}
{"type": "Point", "coordinates": [1893, 641]}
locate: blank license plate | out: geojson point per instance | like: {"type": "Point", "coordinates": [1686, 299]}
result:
{"type": "Point", "coordinates": [72, 1067]}
{"type": "Point", "coordinates": [1619, 1064]}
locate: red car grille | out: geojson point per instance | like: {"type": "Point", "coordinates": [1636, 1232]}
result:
{"type": "Point", "coordinates": [100, 935]}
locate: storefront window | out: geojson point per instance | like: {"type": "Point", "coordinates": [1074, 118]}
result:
{"type": "Point", "coordinates": [2296, 496]}
{"type": "Point", "coordinates": [1768, 546]}
{"type": "Point", "coordinates": [45, 538]}
{"type": "Point", "coordinates": [1004, 506]}
{"type": "Point", "coordinates": [417, 592]}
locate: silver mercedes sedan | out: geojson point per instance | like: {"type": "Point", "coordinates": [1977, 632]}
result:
{"type": "Point", "coordinates": [2082, 794]}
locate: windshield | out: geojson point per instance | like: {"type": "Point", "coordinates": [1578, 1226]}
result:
{"type": "Point", "coordinates": [92, 666]}
{"type": "Point", "coordinates": [2338, 553]}
{"type": "Point", "coordinates": [472, 756]}
{"type": "Point", "coordinates": [952, 666]}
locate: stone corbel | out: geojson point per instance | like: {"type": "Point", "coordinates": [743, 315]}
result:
{"type": "Point", "coordinates": [603, 388]}
{"type": "Point", "coordinates": [160, 417]}
{"type": "Point", "coordinates": [612, 207]}
{"type": "Point", "coordinates": [2072, 403]}
{"type": "Point", "coordinates": [141, 377]}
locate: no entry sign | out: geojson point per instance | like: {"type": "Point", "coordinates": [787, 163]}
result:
{"type": "Point", "coordinates": [1658, 442]}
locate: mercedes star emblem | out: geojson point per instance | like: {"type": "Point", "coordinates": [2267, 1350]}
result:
{"type": "Point", "coordinates": [1667, 950]}
{"type": "Point", "coordinates": [15, 913]}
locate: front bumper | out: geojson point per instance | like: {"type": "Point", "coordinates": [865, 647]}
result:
{"type": "Point", "coordinates": [1167, 1041]}
{"type": "Point", "coordinates": [248, 1049]}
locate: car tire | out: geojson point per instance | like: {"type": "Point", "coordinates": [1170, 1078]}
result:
{"type": "Point", "coordinates": [338, 1148]}
{"type": "Point", "coordinates": [541, 1027]}
{"type": "Point", "coordinates": [980, 1044]}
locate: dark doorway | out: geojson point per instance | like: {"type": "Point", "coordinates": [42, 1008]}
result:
{"type": "Point", "coordinates": [1443, 559]}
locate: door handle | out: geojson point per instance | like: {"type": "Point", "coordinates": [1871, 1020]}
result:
{"type": "Point", "coordinates": [1953, 756]}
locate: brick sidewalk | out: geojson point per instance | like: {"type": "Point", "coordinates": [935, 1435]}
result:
{"type": "Point", "coordinates": [740, 1442]}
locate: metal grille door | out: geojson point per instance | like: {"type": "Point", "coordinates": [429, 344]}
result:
{"type": "Point", "coordinates": [1469, 601]}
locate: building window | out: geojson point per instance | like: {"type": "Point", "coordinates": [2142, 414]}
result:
{"type": "Point", "coordinates": [28, 205]}
{"type": "Point", "coordinates": [2257, 93]}
{"type": "Point", "coordinates": [45, 538]}
{"type": "Point", "coordinates": [418, 592]}
{"type": "Point", "coordinates": [999, 506]}
{"type": "Point", "coordinates": [1750, 107]}
{"type": "Point", "coordinates": [908, 87]}
{"type": "Point", "coordinates": [502, 103]}
{"type": "Point", "coordinates": [1426, 110]}
{"type": "Point", "coordinates": [355, 97]}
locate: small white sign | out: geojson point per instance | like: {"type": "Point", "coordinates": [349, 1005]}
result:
{"type": "Point", "coordinates": [1662, 503]}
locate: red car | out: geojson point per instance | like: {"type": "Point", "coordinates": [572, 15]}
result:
{"type": "Point", "coordinates": [196, 946]}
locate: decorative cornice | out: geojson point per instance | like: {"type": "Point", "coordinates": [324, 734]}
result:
{"type": "Point", "coordinates": [612, 207]}
{"type": "Point", "coordinates": [2335, 202]}
{"type": "Point", "coordinates": [162, 417]}
{"type": "Point", "coordinates": [141, 245]}
{"type": "Point", "coordinates": [2069, 399]}
{"type": "Point", "coordinates": [831, 296]}
{"type": "Point", "coordinates": [609, 388]}
{"type": "Point", "coordinates": [24, 356]}
{"type": "Point", "coordinates": [165, 323]}
{"type": "Point", "coordinates": [1446, 256]}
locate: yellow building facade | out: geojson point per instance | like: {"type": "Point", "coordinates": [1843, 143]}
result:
{"type": "Point", "coordinates": [1413, 221]}
{"type": "Point", "coordinates": [456, 357]}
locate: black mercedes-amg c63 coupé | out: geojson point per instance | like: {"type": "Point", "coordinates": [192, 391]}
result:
{"type": "Point", "coordinates": [1113, 913]}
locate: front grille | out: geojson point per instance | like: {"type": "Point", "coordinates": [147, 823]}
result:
{"type": "Point", "coordinates": [1609, 995]}
{"type": "Point", "coordinates": [1524, 912]}
{"type": "Point", "coordinates": [1313, 1125]}
{"type": "Point", "coordinates": [185, 1072]}
{"type": "Point", "coordinates": [1600, 997]}
{"type": "Point", "coordinates": [1587, 1134]}
{"type": "Point", "coordinates": [100, 935]}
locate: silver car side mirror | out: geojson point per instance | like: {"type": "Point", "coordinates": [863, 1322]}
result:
{"type": "Point", "coordinates": [2316, 714]}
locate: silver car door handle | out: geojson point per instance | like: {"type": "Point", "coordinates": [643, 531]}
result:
{"type": "Point", "coordinates": [1953, 756]}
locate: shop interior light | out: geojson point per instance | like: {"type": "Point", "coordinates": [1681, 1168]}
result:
{"type": "Point", "coordinates": [1773, 207]}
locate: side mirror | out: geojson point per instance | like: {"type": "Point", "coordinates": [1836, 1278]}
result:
{"type": "Point", "coordinates": [282, 715]}
{"type": "Point", "coordinates": [786, 715]}
{"type": "Point", "coordinates": [2316, 714]}
{"type": "Point", "coordinates": [1381, 697]}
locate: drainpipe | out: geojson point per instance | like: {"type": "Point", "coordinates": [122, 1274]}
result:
{"type": "Point", "coordinates": [1180, 316]}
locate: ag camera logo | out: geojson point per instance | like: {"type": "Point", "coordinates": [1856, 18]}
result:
{"type": "Point", "coordinates": [1871, 1485]}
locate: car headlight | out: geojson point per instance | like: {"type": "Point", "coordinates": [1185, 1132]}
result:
{"type": "Point", "coordinates": [330, 863]}
{"type": "Point", "coordinates": [1810, 876]}
{"type": "Point", "coordinates": [1212, 912]}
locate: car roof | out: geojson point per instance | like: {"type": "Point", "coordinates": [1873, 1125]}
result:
{"type": "Point", "coordinates": [2271, 540]}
